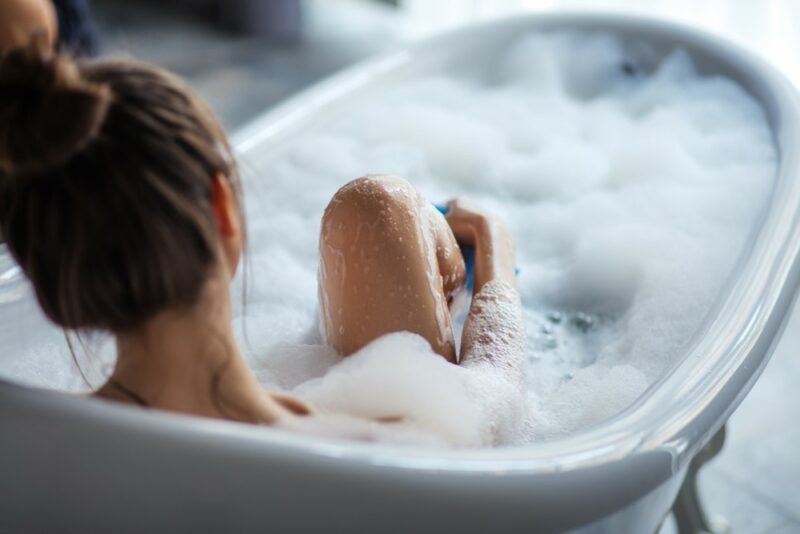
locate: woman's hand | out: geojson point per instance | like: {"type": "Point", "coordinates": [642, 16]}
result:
{"type": "Point", "coordinates": [494, 247]}
{"type": "Point", "coordinates": [466, 220]}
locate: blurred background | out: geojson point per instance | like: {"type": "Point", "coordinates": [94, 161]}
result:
{"type": "Point", "coordinates": [244, 56]}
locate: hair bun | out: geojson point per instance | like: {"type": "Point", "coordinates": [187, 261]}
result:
{"type": "Point", "coordinates": [48, 112]}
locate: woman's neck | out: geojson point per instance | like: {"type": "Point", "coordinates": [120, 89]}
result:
{"type": "Point", "coordinates": [188, 361]}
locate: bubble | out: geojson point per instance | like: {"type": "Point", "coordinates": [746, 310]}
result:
{"type": "Point", "coordinates": [554, 317]}
{"type": "Point", "coordinates": [582, 321]}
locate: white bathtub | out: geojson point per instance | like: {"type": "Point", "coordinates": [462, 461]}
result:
{"type": "Point", "coordinates": [79, 465]}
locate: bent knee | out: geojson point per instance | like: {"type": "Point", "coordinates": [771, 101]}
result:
{"type": "Point", "coordinates": [376, 191]}
{"type": "Point", "coordinates": [372, 199]}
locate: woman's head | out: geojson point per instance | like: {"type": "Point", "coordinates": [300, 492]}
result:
{"type": "Point", "coordinates": [117, 188]}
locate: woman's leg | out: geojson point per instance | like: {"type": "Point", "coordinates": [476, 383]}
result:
{"type": "Point", "coordinates": [388, 263]}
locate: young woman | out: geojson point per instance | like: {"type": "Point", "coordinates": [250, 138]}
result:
{"type": "Point", "coordinates": [119, 199]}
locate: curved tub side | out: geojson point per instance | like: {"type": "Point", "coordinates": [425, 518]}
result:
{"type": "Point", "coordinates": [110, 468]}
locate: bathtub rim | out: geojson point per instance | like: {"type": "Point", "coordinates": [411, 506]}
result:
{"type": "Point", "coordinates": [683, 428]}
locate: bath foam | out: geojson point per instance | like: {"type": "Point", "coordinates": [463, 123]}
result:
{"type": "Point", "coordinates": [630, 183]}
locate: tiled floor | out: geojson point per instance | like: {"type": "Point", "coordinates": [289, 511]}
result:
{"type": "Point", "coordinates": [753, 483]}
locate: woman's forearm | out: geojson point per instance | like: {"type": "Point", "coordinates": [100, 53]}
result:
{"type": "Point", "coordinates": [493, 333]}
{"type": "Point", "coordinates": [494, 254]}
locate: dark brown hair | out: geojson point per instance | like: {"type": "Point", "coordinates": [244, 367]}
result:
{"type": "Point", "coordinates": [106, 178]}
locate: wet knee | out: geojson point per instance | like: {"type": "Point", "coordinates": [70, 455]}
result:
{"type": "Point", "coordinates": [372, 199]}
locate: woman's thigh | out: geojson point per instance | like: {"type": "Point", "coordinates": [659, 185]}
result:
{"type": "Point", "coordinates": [388, 263]}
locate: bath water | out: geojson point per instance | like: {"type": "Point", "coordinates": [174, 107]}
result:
{"type": "Point", "coordinates": [630, 182]}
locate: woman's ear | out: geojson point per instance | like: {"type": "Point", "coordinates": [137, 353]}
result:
{"type": "Point", "coordinates": [226, 211]}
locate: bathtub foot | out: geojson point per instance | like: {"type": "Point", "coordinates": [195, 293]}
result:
{"type": "Point", "coordinates": [688, 509]}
